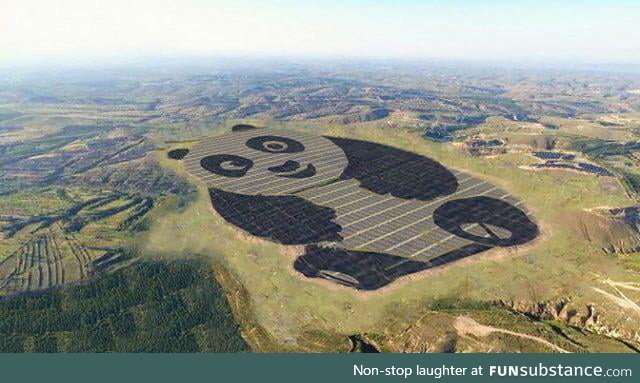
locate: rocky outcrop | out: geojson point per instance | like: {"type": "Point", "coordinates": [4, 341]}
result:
{"type": "Point", "coordinates": [562, 310]}
{"type": "Point", "coordinates": [614, 230]}
{"type": "Point", "coordinates": [559, 310]}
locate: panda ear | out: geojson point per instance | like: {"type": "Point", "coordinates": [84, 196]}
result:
{"type": "Point", "coordinates": [178, 154]}
{"type": "Point", "coordinates": [242, 127]}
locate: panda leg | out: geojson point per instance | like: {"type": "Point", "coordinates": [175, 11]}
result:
{"type": "Point", "coordinates": [366, 270]}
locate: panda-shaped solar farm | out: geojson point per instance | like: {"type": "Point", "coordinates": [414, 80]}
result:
{"type": "Point", "coordinates": [367, 213]}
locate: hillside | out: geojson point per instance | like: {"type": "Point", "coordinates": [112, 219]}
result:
{"type": "Point", "coordinates": [89, 198]}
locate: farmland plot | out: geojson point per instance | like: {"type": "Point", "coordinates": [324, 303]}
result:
{"type": "Point", "coordinates": [46, 261]}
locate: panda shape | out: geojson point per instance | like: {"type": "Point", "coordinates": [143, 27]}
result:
{"type": "Point", "coordinates": [366, 213]}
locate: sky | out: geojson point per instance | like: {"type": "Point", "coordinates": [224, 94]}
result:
{"type": "Point", "coordinates": [545, 31]}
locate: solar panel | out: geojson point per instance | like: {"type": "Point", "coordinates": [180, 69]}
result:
{"type": "Point", "coordinates": [384, 211]}
{"type": "Point", "coordinates": [274, 148]}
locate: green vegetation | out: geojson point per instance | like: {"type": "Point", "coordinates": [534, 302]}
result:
{"type": "Point", "coordinates": [84, 179]}
{"type": "Point", "coordinates": [148, 307]}
{"type": "Point", "coordinates": [27, 203]}
{"type": "Point", "coordinates": [597, 148]}
{"type": "Point", "coordinates": [467, 326]}
{"type": "Point", "coordinates": [632, 261]}
{"type": "Point", "coordinates": [559, 260]}
{"type": "Point", "coordinates": [632, 180]}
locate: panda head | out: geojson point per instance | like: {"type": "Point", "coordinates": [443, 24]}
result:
{"type": "Point", "coordinates": [264, 161]}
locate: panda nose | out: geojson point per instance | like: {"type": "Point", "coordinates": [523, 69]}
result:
{"type": "Point", "coordinates": [288, 166]}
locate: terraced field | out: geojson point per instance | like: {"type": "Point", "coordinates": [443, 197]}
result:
{"type": "Point", "coordinates": [46, 261]}
{"type": "Point", "coordinates": [79, 194]}
{"type": "Point", "coordinates": [86, 189]}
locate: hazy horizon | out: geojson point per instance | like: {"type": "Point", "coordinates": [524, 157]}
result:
{"type": "Point", "coordinates": [566, 33]}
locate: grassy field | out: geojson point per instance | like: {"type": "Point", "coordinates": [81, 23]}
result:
{"type": "Point", "coordinates": [79, 188]}
{"type": "Point", "coordinates": [287, 305]}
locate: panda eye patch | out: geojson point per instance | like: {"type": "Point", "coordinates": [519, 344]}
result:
{"type": "Point", "coordinates": [227, 165]}
{"type": "Point", "coordinates": [275, 144]}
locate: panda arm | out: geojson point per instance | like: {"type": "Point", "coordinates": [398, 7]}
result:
{"type": "Point", "coordinates": [386, 170]}
{"type": "Point", "coordinates": [288, 219]}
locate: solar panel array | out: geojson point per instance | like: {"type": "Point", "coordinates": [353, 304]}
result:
{"type": "Point", "coordinates": [328, 160]}
{"type": "Point", "coordinates": [404, 211]}
{"type": "Point", "coordinates": [385, 224]}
